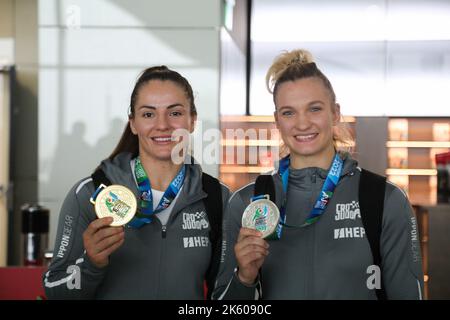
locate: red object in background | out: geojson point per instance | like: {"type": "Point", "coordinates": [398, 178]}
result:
{"type": "Point", "coordinates": [21, 283]}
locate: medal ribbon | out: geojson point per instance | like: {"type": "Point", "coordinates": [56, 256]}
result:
{"type": "Point", "coordinates": [324, 197]}
{"type": "Point", "coordinates": [144, 215]}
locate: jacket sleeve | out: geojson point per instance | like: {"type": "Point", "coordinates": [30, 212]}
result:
{"type": "Point", "coordinates": [228, 285]}
{"type": "Point", "coordinates": [402, 272]}
{"type": "Point", "coordinates": [71, 275]}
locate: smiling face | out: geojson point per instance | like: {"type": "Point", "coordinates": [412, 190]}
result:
{"type": "Point", "coordinates": [305, 115]}
{"type": "Point", "coordinates": [161, 108]}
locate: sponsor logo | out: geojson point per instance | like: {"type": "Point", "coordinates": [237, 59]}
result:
{"type": "Point", "coordinates": [178, 181]}
{"type": "Point", "coordinates": [165, 203]}
{"type": "Point", "coordinates": [415, 240]}
{"type": "Point", "coordinates": [347, 211]}
{"type": "Point", "coordinates": [140, 173]}
{"type": "Point", "coordinates": [146, 196]}
{"type": "Point", "coordinates": [334, 169]}
{"type": "Point", "coordinates": [65, 238]}
{"type": "Point", "coordinates": [195, 242]}
{"type": "Point", "coordinates": [324, 199]}
{"type": "Point", "coordinates": [195, 221]}
{"type": "Point", "coordinates": [352, 232]}
{"type": "Point", "coordinates": [224, 249]}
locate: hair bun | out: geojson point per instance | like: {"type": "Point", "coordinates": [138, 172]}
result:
{"type": "Point", "coordinates": [299, 57]}
{"type": "Point", "coordinates": [287, 59]}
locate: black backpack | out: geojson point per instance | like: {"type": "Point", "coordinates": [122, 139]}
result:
{"type": "Point", "coordinates": [371, 205]}
{"type": "Point", "coordinates": [213, 206]}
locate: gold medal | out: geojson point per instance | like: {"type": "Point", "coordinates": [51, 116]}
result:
{"type": "Point", "coordinates": [115, 201]}
{"type": "Point", "coordinates": [262, 215]}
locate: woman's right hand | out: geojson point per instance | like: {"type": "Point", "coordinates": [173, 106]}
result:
{"type": "Point", "coordinates": [100, 240]}
{"type": "Point", "coordinates": [250, 250]}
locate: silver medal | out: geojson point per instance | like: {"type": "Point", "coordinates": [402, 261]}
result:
{"type": "Point", "coordinates": [262, 215]}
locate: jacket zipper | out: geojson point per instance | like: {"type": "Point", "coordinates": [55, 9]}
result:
{"type": "Point", "coordinates": [159, 295]}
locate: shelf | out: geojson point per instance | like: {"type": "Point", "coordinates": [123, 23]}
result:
{"type": "Point", "coordinates": [418, 144]}
{"type": "Point", "coordinates": [411, 172]}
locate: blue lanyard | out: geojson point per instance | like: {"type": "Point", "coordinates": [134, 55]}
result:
{"type": "Point", "coordinates": [324, 197]}
{"type": "Point", "coordinates": [145, 212]}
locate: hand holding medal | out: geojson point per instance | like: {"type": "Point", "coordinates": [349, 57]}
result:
{"type": "Point", "coordinates": [259, 221]}
{"type": "Point", "coordinates": [250, 250]}
{"type": "Point", "coordinates": [100, 240]}
{"type": "Point", "coordinates": [115, 206]}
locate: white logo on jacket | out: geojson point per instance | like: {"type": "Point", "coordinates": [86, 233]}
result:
{"type": "Point", "coordinates": [415, 244]}
{"type": "Point", "coordinates": [347, 211]}
{"type": "Point", "coordinates": [195, 242]}
{"type": "Point", "coordinates": [65, 238]}
{"type": "Point", "coordinates": [195, 221]}
{"type": "Point", "coordinates": [355, 232]}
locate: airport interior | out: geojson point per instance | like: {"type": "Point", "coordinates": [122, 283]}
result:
{"type": "Point", "coordinates": [67, 69]}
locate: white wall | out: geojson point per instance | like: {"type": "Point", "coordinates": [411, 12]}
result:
{"type": "Point", "coordinates": [233, 82]}
{"type": "Point", "coordinates": [90, 54]}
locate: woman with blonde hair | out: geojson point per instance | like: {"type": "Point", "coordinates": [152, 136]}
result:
{"type": "Point", "coordinates": [340, 232]}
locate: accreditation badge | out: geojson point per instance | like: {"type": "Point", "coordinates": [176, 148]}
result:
{"type": "Point", "coordinates": [115, 201]}
{"type": "Point", "coordinates": [262, 215]}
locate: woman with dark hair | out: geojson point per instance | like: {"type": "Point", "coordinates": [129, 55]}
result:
{"type": "Point", "coordinates": [330, 229]}
{"type": "Point", "coordinates": [169, 248]}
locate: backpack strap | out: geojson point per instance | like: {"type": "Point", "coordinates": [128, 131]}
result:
{"type": "Point", "coordinates": [264, 185]}
{"type": "Point", "coordinates": [371, 202]}
{"type": "Point", "coordinates": [99, 178]}
{"type": "Point", "coordinates": [214, 208]}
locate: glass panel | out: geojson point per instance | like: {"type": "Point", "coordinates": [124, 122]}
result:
{"type": "Point", "coordinates": [384, 58]}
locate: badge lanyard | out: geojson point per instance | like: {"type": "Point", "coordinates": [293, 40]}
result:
{"type": "Point", "coordinates": [322, 200]}
{"type": "Point", "coordinates": [146, 211]}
